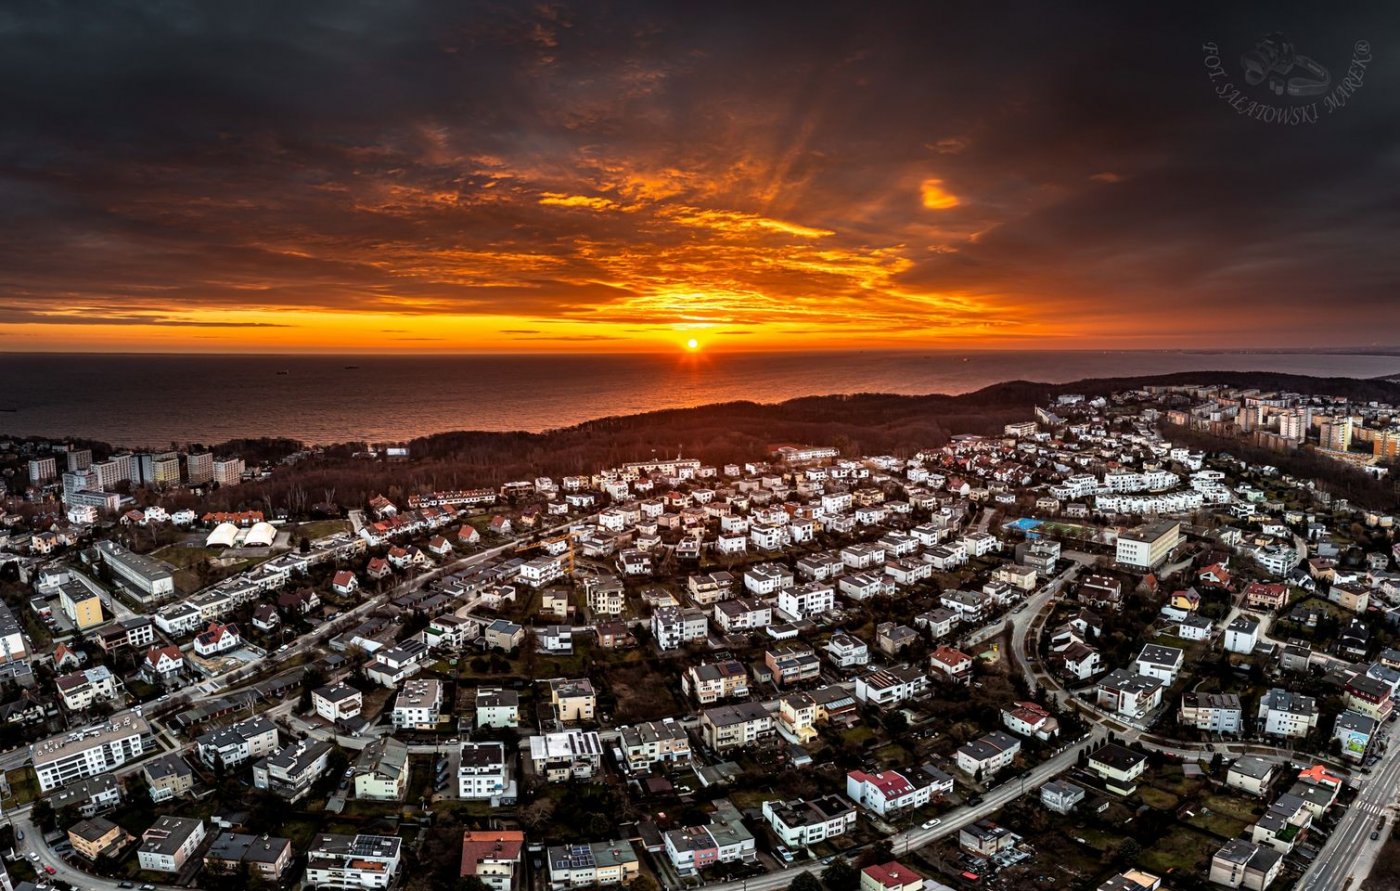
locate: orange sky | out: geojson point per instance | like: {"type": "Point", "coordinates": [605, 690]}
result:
{"type": "Point", "coordinates": [411, 177]}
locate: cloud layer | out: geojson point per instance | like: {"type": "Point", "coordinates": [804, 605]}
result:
{"type": "Point", "coordinates": [623, 175]}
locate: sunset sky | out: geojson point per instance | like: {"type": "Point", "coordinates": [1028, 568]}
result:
{"type": "Point", "coordinates": [605, 176]}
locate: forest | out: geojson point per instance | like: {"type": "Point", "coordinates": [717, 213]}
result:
{"type": "Point", "coordinates": [867, 423]}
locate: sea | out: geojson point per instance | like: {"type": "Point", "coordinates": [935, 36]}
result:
{"type": "Point", "coordinates": [158, 400]}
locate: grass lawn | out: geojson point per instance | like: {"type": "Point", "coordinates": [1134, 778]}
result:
{"type": "Point", "coordinates": [1217, 823]}
{"type": "Point", "coordinates": [858, 735]}
{"type": "Point", "coordinates": [1172, 779]}
{"type": "Point", "coordinates": [747, 798]}
{"type": "Point", "coordinates": [1182, 849]}
{"type": "Point", "coordinates": [1158, 799]}
{"type": "Point", "coordinates": [319, 529]}
{"type": "Point", "coordinates": [1243, 809]}
{"type": "Point", "coordinates": [24, 786]}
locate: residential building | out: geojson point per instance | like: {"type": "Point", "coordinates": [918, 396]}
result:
{"type": "Point", "coordinates": [573, 700]}
{"type": "Point", "coordinates": [890, 876]}
{"type": "Point", "coordinates": [1030, 719]}
{"type": "Point", "coordinates": [1128, 693]}
{"type": "Point", "coordinates": [484, 771]}
{"type": "Point", "coordinates": [1243, 864]}
{"type": "Point", "coordinates": [168, 777]}
{"type": "Point", "coordinates": [418, 705]}
{"type": "Point", "coordinates": [80, 604]}
{"type": "Point", "coordinates": [674, 626]}
{"type": "Point", "coordinates": [97, 837]}
{"type": "Point", "coordinates": [1353, 731]}
{"type": "Point", "coordinates": [592, 864]}
{"type": "Point", "coordinates": [799, 823]}
{"type": "Point", "coordinates": [493, 856]}
{"type": "Point", "coordinates": [571, 754]}
{"type": "Point", "coordinates": [950, 664]}
{"type": "Point", "coordinates": [497, 707]}
{"type": "Point", "coordinates": [1061, 796]}
{"type": "Point", "coordinates": [648, 744]}
{"type": "Point", "coordinates": [792, 664]}
{"type": "Point", "coordinates": [1287, 714]}
{"type": "Point", "coordinates": [381, 770]}
{"type": "Point", "coordinates": [1119, 768]}
{"type": "Point", "coordinates": [290, 772]}
{"type": "Point", "coordinates": [169, 844]}
{"type": "Point", "coordinates": [340, 702]}
{"type": "Point", "coordinates": [238, 743]}
{"type": "Point", "coordinates": [1212, 712]}
{"type": "Point", "coordinates": [1148, 546]}
{"type": "Point", "coordinates": [353, 862]}
{"type": "Point", "coordinates": [888, 792]}
{"type": "Point", "coordinates": [265, 857]}
{"type": "Point", "coordinates": [68, 757]}
{"type": "Point", "coordinates": [1252, 774]}
{"type": "Point", "coordinates": [1242, 635]}
{"type": "Point", "coordinates": [1160, 662]}
{"type": "Point", "coordinates": [710, 682]}
{"type": "Point", "coordinates": [847, 651]}
{"type": "Point", "coordinates": [891, 686]}
{"type": "Point", "coordinates": [734, 726]}
{"type": "Point", "coordinates": [988, 755]}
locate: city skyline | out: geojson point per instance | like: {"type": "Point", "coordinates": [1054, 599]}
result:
{"type": "Point", "coordinates": [423, 178]}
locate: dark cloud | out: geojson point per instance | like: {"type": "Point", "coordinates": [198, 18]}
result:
{"type": "Point", "coordinates": [1047, 170]}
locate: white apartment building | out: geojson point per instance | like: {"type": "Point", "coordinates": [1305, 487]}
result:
{"type": "Point", "coordinates": [67, 757]}
{"type": "Point", "coordinates": [1287, 714]}
{"type": "Point", "coordinates": [353, 862]}
{"type": "Point", "coordinates": [805, 601]}
{"type": "Point", "coordinates": [799, 824]}
{"type": "Point", "coordinates": [418, 705]}
{"type": "Point", "coordinates": [229, 471]}
{"type": "Point", "coordinates": [483, 773]}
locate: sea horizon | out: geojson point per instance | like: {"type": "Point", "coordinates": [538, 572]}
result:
{"type": "Point", "coordinates": [152, 400]}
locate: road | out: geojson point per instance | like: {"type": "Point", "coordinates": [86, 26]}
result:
{"type": "Point", "coordinates": [1349, 854]}
{"type": "Point", "coordinates": [1023, 621]}
{"type": "Point", "coordinates": [913, 839]}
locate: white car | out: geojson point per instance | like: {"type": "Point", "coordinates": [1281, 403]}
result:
{"type": "Point", "coordinates": [931, 823]}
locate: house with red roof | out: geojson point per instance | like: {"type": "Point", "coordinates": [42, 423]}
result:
{"type": "Point", "coordinates": [888, 792]}
{"type": "Point", "coordinates": [492, 855]}
{"type": "Point", "coordinates": [954, 665]}
{"type": "Point", "coordinates": [163, 665]}
{"type": "Point", "coordinates": [440, 546]}
{"type": "Point", "coordinates": [1266, 595]}
{"type": "Point", "coordinates": [1215, 575]}
{"type": "Point", "coordinates": [467, 534]}
{"type": "Point", "coordinates": [500, 525]}
{"type": "Point", "coordinates": [378, 568]}
{"type": "Point", "coordinates": [345, 582]}
{"type": "Point", "coordinates": [892, 876]}
{"type": "Point", "coordinates": [1030, 719]}
{"type": "Point", "coordinates": [217, 639]}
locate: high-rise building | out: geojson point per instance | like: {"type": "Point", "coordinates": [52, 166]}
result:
{"type": "Point", "coordinates": [79, 459]}
{"type": "Point", "coordinates": [199, 468]}
{"type": "Point", "coordinates": [106, 474]}
{"type": "Point", "coordinates": [127, 468]}
{"type": "Point", "coordinates": [1336, 433]}
{"type": "Point", "coordinates": [228, 471]}
{"type": "Point", "coordinates": [1386, 443]}
{"type": "Point", "coordinates": [78, 482]}
{"type": "Point", "coordinates": [41, 470]}
{"type": "Point", "coordinates": [1294, 423]}
{"type": "Point", "coordinates": [160, 469]}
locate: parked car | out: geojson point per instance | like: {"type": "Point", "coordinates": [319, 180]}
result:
{"type": "Point", "coordinates": [929, 824]}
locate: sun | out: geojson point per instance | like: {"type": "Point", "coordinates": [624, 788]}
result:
{"type": "Point", "coordinates": [692, 344]}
